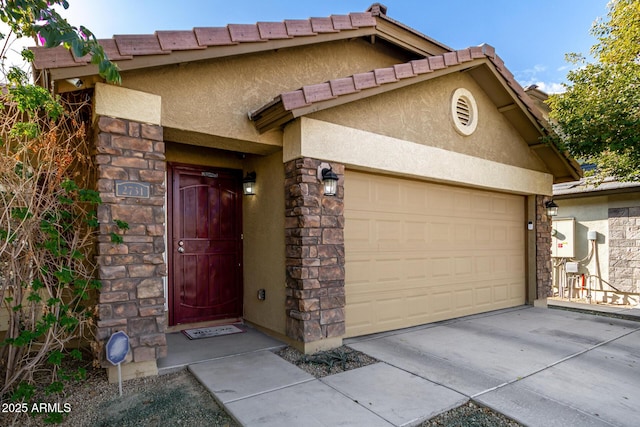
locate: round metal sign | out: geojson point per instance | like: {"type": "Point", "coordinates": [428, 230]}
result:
{"type": "Point", "coordinates": [117, 347]}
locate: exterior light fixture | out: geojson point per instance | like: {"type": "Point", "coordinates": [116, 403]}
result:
{"type": "Point", "coordinates": [552, 208]}
{"type": "Point", "coordinates": [249, 184]}
{"type": "Point", "coordinates": [329, 181]}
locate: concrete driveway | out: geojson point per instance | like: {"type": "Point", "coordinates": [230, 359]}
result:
{"type": "Point", "coordinates": [541, 367]}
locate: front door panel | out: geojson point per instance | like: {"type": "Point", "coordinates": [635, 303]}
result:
{"type": "Point", "coordinates": [206, 245]}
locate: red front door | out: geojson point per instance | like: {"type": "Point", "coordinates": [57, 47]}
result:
{"type": "Point", "coordinates": [205, 244]}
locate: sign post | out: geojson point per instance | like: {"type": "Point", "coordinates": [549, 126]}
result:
{"type": "Point", "coordinates": [117, 350]}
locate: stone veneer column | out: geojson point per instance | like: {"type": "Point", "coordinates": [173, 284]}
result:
{"type": "Point", "coordinates": [544, 283]}
{"type": "Point", "coordinates": [314, 257]}
{"type": "Point", "coordinates": [132, 294]}
{"type": "Point", "coordinates": [624, 241]}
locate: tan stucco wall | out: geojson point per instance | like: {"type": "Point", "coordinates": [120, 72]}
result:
{"type": "Point", "coordinates": [421, 113]}
{"type": "Point", "coordinates": [358, 149]}
{"type": "Point", "coordinates": [192, 155]}
{"type": "Point", "coordinates": [592, 214]}
{"type": "Point", "coordinates": [214, 97]}
{"type": "Point", "coordinates": [124, 103]}
{"type": "Point", "coordinates": [264, 248]}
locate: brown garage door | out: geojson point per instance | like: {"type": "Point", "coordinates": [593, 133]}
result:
{"type": "Point", "coordinates": [420, 252]}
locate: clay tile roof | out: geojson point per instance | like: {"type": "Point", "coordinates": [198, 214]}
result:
{"type": "Point", "coordinates": [477, 52]}
{"type": "Point", "coordinates": [178, 40]}
{"type": "Point", "coordinates": [282, 108]}
{"type": "Point", "coordinates": [293, 100]}
{"type": "Point", "coordinates": [323, 25]}
{"type": "Point", "coordinates": [127, 47]}
{"type": "Point", "coordinates": [341, 22]}
{"type": "Point", "coordinates": [111, 49]}
{"type": "Point", "coordinates": [437, 62]}
{"type": "Point", "coordinates": [55, 57]}
{"type": "Point", "coordinates": [139, 44]}
{"type": "Point", "coordinates": [245, 33]}
{"type": "Point", "coordinates": [318, 92]}
{"type": "Point", "coordinates": [464, 55]}
{"type": "Point", "coordinates": [213, 36]}
{"type": "Point", "coordinates": [299, 27]}
{"type": "Point", "coordinates": [273, 30]}
{"type": "Point", "coordinates": [310, 94]}
{"type": "Point", "coordinates": [364, 19]}
{"type": "Point", "coordinates": [385, 75]}
{"type": "Point", "coordinates": [450, 58]}
{"type": "Point", "coordinates": [364, 80]}
{"type": "Point", "coordinates": [420, 66]}
{"type": "Point", "coordinates": [343, 86]}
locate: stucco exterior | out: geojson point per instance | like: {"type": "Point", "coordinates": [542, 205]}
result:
{"type": "Point", "coordinates": [207, 103]}
{"type": "Point", "coordinates": [421, 114]}
{"type": "Point", "coordinates": [236, 105]}
{"type": "Point", "coordinates": [371, 151]}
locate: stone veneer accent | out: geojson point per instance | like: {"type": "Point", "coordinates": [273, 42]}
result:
{"type": "Point", "coordinates": [544, 283]}
{"type": "Point", "coordinates": [314, 241]}
{"type": "Point", "coordinates": [624, 241]}
{"type": "Point", "coordinates": [132, 294]}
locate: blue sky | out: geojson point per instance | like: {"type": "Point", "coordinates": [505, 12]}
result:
{"type": "Point", "coordinates": [531, 36]}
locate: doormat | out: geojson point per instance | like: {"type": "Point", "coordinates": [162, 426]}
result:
{"type": "Point", "coordinates": [212, 331]}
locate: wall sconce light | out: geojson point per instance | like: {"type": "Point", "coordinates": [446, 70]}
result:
{"type": "Point", "coordinates": [249, 184]}
{"type": "Point", "coordinates": [329, 179]}
{"type": "Point", "coordinates": [552, 208]}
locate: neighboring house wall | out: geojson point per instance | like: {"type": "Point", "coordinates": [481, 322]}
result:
{"type": "Point", "coordinates": [616, 219]}
{"type": "Point", "coordinates": [624, 241]}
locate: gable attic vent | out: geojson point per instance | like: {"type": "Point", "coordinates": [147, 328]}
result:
{"type": "Point", "coordinates": [464, 112]}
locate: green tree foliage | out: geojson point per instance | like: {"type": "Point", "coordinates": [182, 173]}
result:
{"type": "Point", "coordinates": [48, 216]}
{"type": "Point", "coordinates": [37, 19]}
{"type": "Point", "coordinates": [598, 117]}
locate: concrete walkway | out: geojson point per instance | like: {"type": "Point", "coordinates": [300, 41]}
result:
{"type": "Point", "coordinates": [541, 367]}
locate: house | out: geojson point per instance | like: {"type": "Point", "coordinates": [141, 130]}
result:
{"type": "Point", "coordinates": [438, 210]}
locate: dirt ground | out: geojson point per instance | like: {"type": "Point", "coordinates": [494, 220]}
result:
{"type": "Point", "coordinates": [170, 400]}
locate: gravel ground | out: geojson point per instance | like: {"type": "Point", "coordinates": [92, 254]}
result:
{"type": "Point", "coordinates": [345, 358]}
{"type": "Point", "coordinates": [470, 415]}
{"type": "Point", "coordinates": [327, 362]}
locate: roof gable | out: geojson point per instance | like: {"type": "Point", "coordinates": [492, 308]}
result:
{"type": "Point", "coordinates": [482, 63]}
{"type": "Point", "coordinates": [433, 59]}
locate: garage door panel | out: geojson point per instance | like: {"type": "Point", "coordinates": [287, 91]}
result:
{"type": "Point", "coordinates": [483, 295]}
{"type": "Point", "coordinates": [419, 252]}
{"type": "Point", "coordinates": [464, 299]}
{"type": "Point", "coordinates": [387, 270]}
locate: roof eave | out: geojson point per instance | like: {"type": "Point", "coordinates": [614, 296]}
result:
{"type": "Point", "coordinates": [512, 103]}
{"type": "Point", "coordinates": [521, 108]}
{"type": "Point", "coordinates": [390, 29]}
{"type": "Point", "coordinates": [260, 117]}
{"type": "Point", "coordinates": [212, 52]}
